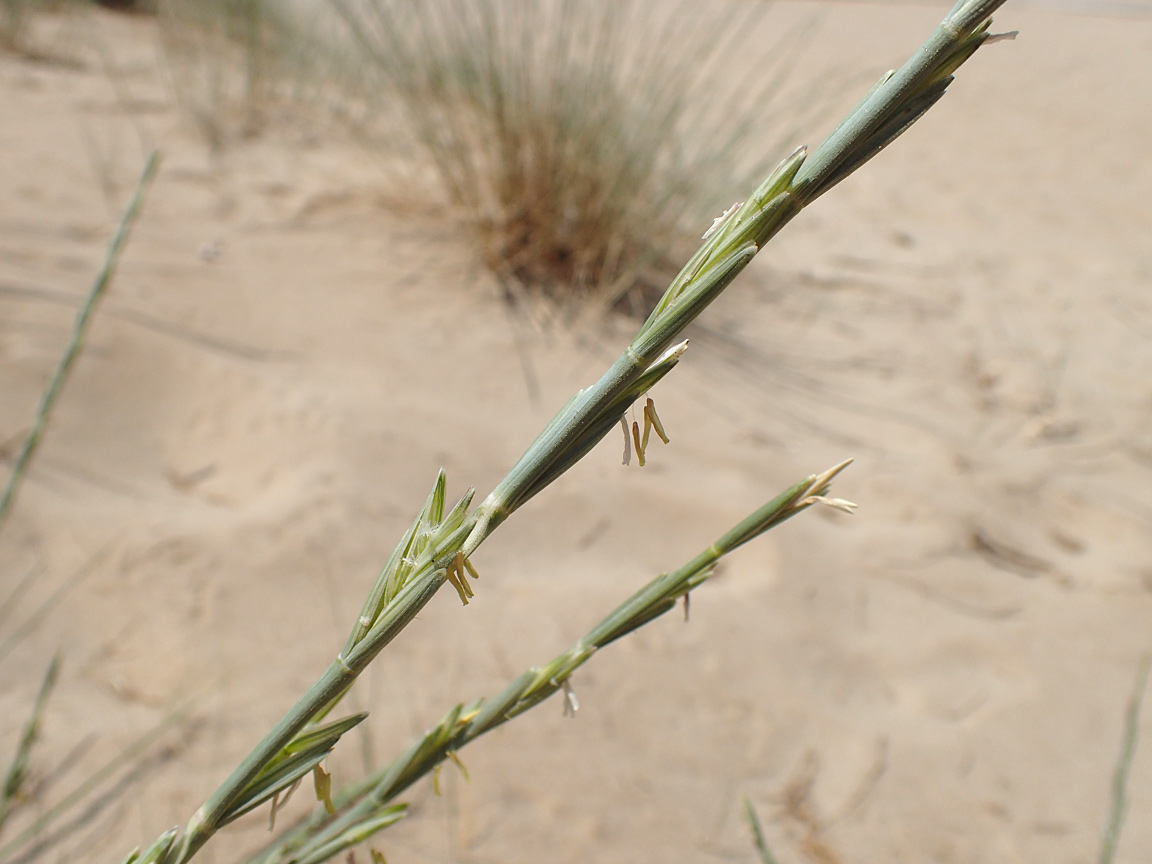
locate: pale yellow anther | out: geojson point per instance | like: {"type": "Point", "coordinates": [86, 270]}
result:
{"type": "Point", "coordinates": [835, 503]}
{"type": "Point", "coordinates": [571, 703]}
{"type": "Point", "coordinates": [650, 416]}
{"type": "Point", "coordinates": [454, 574]}
{"type": "Point", "coordinates": [469, 567]}
{"type": "Point", "coordinates": [451, 754]}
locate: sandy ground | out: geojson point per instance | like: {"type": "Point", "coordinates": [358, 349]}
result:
{"type": "Point", "coordinates": [285, 360]}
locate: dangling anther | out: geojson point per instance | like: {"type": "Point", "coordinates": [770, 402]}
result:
{"type": "Point", "coordinates": [279, 803]}
{"type": "Point", "coordinates": [571, 703]}
{"type": "Point", "coordinates": [455, 574]}
{"type": "Point", "coordinates": [686, 605]}
{"type": "Point", "coordinates": [460, 574]}
{"type": "Point", "coordinates": [468, 565]}
{"type": "Point", "coordinates": [651, 417]}
{"type": "Point", "coordinates": [636, 441]}
{"type": "Point", "coordinates": [627, 441]}
{"type": "Point", "coordinates": [835, 503]}
{"type": "Point", "coordinates": [455, 757]}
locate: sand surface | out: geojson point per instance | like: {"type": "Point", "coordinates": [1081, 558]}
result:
{"type": "Point", "coordinates": [287, 357]}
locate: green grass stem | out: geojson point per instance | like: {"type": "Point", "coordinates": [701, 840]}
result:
{"type": "Point", "coordinates": [17, 775]}
{"type": "Point", "coordinates": [758, 841]}
{"type": "Point", "coordinates": [436, 550]}
{"type": "Point", "coordinates": [362, 806]}
{"type": "Point", "coordinates": [82, 792]}
{"type": "Point", "coordinates": [1111, 839]}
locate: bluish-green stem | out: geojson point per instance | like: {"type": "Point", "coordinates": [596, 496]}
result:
{"type": "Point", "coordinates": [462, 725]}
{"type": "Point", "coordinates": [889, 108]}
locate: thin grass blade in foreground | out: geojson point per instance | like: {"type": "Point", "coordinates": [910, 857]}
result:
{"type": "Point", "coordinates": [766, 856]}
{"type": "Point", "coordinates": [1111, 839]}
{"type": "Point", "coordinates": [17, 774]}
{"type": "Point", "coordinates": [79, 328]}
{"type": "Point", "coordinates": [25, 844]}
{"type": "Point", "coordinates": [367, 807]}
{"type": "Point", "coordinates": [443, 546]}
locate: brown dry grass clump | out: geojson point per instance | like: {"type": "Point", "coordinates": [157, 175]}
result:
{"type": "Point", "coordinates": [569, 133]}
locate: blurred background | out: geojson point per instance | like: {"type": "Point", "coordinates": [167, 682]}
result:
{"type": "Point", "coordinates": [390, 237]}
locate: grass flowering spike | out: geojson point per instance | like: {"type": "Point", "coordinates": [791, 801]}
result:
{"type": "Point", "coordinates": [460, 726]}
{"type": "Point", "coordinates": [393, 575]}
{"type": "Point", "coordinates": [428, 557]}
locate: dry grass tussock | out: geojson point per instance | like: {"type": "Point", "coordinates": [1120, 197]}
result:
{"type": "Point", "coordinates": [570, 135]}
